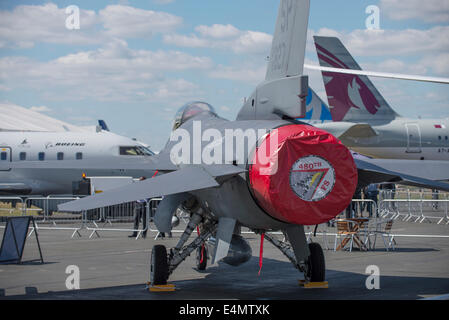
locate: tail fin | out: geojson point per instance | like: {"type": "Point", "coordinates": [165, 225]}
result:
{"type": "Point", "coordinates": [289, 40]}
{"type": "Point", "coordinates": [103, 125]}
{"type": "Point", "coordinates": [285, 88]}
{"type": "Point", "coordinates": [351, 97]}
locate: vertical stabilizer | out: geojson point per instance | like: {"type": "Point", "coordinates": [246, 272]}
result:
{"type": "Point", "coordinates": [289, 40]}
{"type": "Point", "coordinates": [284, 91]}
{"type": "Point", "coordinates": [351, 97]}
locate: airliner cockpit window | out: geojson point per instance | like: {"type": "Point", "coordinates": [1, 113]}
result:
{"type": "Point", "coordinates": [135, 151]}
{"type": "Point", "coordinates": [189, 110]}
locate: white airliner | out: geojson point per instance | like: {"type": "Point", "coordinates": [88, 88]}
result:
{"type": "Point", "coordinates": [73, 154]}
{"type": "Point", "coordinates": [363, 120]}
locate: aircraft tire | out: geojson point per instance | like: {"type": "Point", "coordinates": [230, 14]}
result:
{"type": "Point", "coordinates": [317, 267]}
{"type": "Point", "coordinates": [158, 265]}
{"type": "Point", "coordinates": [201, 265]}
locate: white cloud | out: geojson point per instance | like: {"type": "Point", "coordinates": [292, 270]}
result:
{"type": "Point", "coordinates": [393, 42]}
{"type": "Point", "coordinates": [223, 37]}
{"type": "Point", "coordinates": [409, 51]}
{"type": "Point", "coordinates": [433, 11]}
{"type": "Point", "coordinates": [439, 63]}
{"type": "Point", "coordinates": [112, 73]}
{"type": "Point", "coordinates": [218, 31]}
{"type": "Point", "coordinates": [190, 41]}
{"type": "Point", "coordinates": [27, 25]}
{"type": "Point", "coordinates": [246, 73]}
{"type": "Point", "coordinates": [129, 22]}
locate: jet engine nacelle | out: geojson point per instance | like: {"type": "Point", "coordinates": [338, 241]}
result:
{"type": "Point", "coordinates": [302, 175]}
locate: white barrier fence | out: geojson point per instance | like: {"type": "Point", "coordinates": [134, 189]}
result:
{"type": "Point", "coordinates": [408, 206]}
{"type": "Point", "coordinates": [416, 210]}
{"type": "Point", "coordinates": [47, 217]}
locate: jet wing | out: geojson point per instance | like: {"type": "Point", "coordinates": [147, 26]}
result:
{"type": "Point", "coordinates": [419, 173]}
{"type": "Point", "coordinates": [186, 179]}
{"type": "Point", "coordinates": [379, 74]}
{"type": "Point", "coordinates": [14, 188]}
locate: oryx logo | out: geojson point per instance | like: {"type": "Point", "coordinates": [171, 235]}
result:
{"type": "Point", "coordinates": [312, 178]}
{"type": "Point", "coordinates": [345, 91]}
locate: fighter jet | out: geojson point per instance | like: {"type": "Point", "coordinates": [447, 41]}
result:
{"type": "Point", "coordinates": [265, 170]}
{"type": "Point", "coordinates": [364, 121]}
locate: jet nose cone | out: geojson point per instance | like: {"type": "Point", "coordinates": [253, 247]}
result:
{"type": "Point", "coordinates": [302, 175]}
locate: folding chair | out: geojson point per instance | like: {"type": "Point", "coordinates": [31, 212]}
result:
{"type": "Point", "coordinates": [344, 230]}
{"type": "Point", "coordinates": [387, 236]}
{"type": "Point", "coordinates": [370, 229]}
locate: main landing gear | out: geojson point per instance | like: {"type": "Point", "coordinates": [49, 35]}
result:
{"type": "Point", "coordinates": [162, 264]}
{"type": "Point", "coordinates": [310, 262]}
{"type": "Point", "coordinates": [307, 258]}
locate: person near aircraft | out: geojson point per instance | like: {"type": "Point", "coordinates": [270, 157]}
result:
{"type": "Point", "coordinates": [351, 210]}
{"type": "Point", "coordinates": [371, 192]}
{"type": "Point", "coordinates": [435, 196]}
{"type": "Point", "coordinates": [140, 213]}
{"type": "Point", "coordinates": [389, 192]}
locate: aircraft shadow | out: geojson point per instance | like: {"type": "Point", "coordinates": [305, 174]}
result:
{"type": "Point", "coordinates": [278, 281]}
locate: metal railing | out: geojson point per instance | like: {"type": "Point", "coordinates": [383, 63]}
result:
{"type": "Point", "coordinates": [416, 210]}
{"type": "Point", "coordinates": [47, 217]}
{"type": "Point", "coordinates": [121, 213]}
{"type": "Point", "coordinates": [412, 206]}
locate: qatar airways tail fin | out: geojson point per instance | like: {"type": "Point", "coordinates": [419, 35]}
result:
{"type": "Point", "coordinates": [351, 97]}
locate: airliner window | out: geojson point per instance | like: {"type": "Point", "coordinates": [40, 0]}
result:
{"type": "Point", "coordinates": [22, 156]}
{"type": "Point", "coordinates": [3, 156]}
{"type": "Point", "coordinates": [79, 156]}
{"type": "Point", "coordinates": [60, 156]}
{"type": "Point", "coordinates": [41, 156]}
{"type": "Point", "coordinates": [135, 151]}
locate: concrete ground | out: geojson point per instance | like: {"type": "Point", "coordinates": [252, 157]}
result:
{"type": "Point", "coordinates": [114, 266]}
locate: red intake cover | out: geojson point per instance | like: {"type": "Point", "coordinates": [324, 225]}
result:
{"type": "Point", "coordinates": [307, 177]}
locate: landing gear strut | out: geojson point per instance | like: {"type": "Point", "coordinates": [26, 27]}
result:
{"type": "Point", "coordinates": [163, 264]}
{"type": "Point", "coordinates": [313, 266]}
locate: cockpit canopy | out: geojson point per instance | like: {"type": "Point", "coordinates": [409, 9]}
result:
{"type": "Point", "coordinates": [135, 151]}
{"type": "Point", "coordinates": [191, 109]}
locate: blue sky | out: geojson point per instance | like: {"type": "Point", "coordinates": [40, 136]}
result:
{"type": "Point", "coordinates": [134, 63]}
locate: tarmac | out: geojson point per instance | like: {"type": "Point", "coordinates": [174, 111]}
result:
{"type": "Point", "coordinates": [113, 266]}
